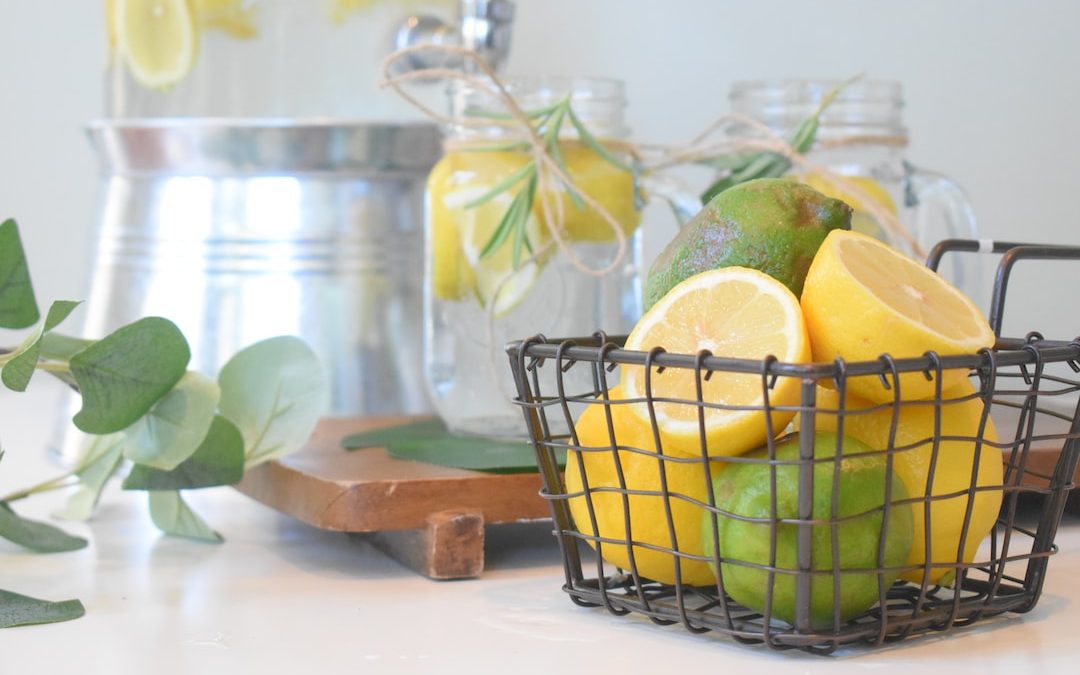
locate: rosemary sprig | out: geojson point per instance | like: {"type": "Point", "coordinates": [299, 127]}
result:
{"type": "Point", "coordinates": [549, 122]}
{"type": "Point", "coordinates": [769, 164]}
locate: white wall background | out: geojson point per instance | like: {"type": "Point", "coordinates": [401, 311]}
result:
{"type": "Point", "coordinates": [993, 90]}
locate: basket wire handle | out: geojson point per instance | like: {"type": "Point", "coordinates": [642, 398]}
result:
{"type": "Point", "coordinates": [1011, 253]}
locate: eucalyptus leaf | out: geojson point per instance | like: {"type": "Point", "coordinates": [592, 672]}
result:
{"type": "Point", "coordinates": [102, 459]}
{"type": "Point", "coordinates": [17, 372]}
{"type": "Point", "coordinates": [22, 610]}
{"type": "Point", "coordinates": [429, 441]}
{"type": "Point", "coordinates": [174, 428]}
{"type": "Point", "coordinates": [274, 391]}
{"type": "Point", "coordinates": [123, 375]}
{"type": "Point", "coordinates": [218, 461]}
{"type": "Point", "coordinates": [172, 515]}
{"type": "Point", "coordinates": [18, 307]}
{"type": "Point", "coordinates": [36, 536]}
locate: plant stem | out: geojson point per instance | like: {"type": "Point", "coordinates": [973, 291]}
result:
{"type": "Point", "coordinates": [57, 483]}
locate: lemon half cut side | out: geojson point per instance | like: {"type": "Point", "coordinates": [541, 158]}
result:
{"type": "Point", "coordinates": [733, 312]}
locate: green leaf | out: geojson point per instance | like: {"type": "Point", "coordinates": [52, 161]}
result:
{"type": "Point", "coordinates": [172, 515]}
{"type": "Point", "coordinates": [60, 347]}
{"type": "Point", "coordinates": [18, 308]}
{"type": "Point", "coordinates": [100, 462]}
{"type": "Point", "coordinates": [430, 442]}
{"type": "Point", "coordinates": [274, 391]}
{"type": "Point", "coordinates": [173, 429]}
{"type": "Point", "coordinates": [34, 535]}
{"type": "Point", "coordinates": [17, 372]}
{"type": "Point", "coordinates": [218, 461]}
{"type": "Point", "coordinates": [124, 374]}
{"type": "Point", "coordinates": [22, 610]}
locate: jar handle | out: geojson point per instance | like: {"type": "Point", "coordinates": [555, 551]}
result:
{"type": "Point", "coordinates": [683, 201]}
{"type": "Point", "coordinates": [940, 210]}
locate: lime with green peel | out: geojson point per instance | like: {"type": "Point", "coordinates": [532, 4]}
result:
{"type": "Point", "coordinates": [745, 542]}
{"type": "Point", "coordinates": [774, 225]}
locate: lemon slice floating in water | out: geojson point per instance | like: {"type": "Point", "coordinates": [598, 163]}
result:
{"type": "Point", "coordinates": [158, 40]}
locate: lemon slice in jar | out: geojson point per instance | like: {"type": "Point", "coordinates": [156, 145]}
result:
{"type": "Point", "coordinates": [494, 277]}
{"type": "Point", "coordinates": [232, 17]}
{"type": "Point", "coordinates": [158, 40]}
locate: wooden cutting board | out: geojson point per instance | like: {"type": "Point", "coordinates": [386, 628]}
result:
{"type": "Point", "coordinates": [430, 517]}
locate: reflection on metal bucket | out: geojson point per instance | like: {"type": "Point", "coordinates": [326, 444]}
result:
{"type": "Point", "coordinates": [241, 230]}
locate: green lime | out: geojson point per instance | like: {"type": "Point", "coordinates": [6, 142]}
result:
{"type": "Point", "coordinates": [774, 225]}
{"type": "Point", "coordinates": [744, 490]}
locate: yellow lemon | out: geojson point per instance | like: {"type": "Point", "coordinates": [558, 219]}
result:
{"type": "Point", "coordinates": [461, 229]}
{"type": "Point", "coordinates": [684, 480]}
{"type": "Point", "coordinates": [961, 416]}
{"type": "Point", "coordinates": [863, 299]}
{"type": "Point", "coordinates": [609, 185]}
{"type": "Point", "coordinates": [158, 39]}
{"type": "Point", "coordinates": [233, 17]}
{"type": "Point", "coordinates": [733, 312]}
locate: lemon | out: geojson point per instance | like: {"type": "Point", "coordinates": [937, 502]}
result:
{"type": "Point", "coordinates": [863, 299]}
{"type": "Point", "coordinates": [733, 312]}
{"type": "Point", "coordinates": [233, 17]}
{"type": "Point", "coordinates": [158, 39]}
{"type": "Point", "coordinates": [495, 278]}
{"type": "Point", "coordinates": [961, 416]}
{"type": "Point", "coordinates": [461, 230]}
{"type": "Point", "coordinates": [449, 277]}
{"type": "Point", "coordinates": [647, 512]}
{"type": "Point", "coordinates": [609, 185]}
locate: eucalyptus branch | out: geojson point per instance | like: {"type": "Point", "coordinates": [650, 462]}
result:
{"type": "Point", "coordinates": [63, 481]}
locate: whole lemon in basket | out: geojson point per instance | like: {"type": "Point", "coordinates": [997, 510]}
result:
{"type": "Point", "coordinates": [862, 491]}
{"type": "Point", "coordinates": [961, 416]}
{"type": "Point", "coordinates": [685, 479]}
{"type": "Point", "coordinates": [863, 299]}
{"type": "Point", "coordinates": [734, 312]}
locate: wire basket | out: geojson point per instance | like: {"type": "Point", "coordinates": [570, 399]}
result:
{"type": "Point", "coordinates": [810, 553]}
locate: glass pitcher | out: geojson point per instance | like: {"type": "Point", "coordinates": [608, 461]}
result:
{"type": "Point", "coordinates": [475, 298]}
{"type": "Point", "coordinates": [862, 138]}
{"type": "Point", "coordinates": [257, 58]}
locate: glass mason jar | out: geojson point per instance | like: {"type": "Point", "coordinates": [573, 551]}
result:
{"type": "Point", "coordinates": [862, 138]}
{"type": "Point", "coordinates": [475, 302]}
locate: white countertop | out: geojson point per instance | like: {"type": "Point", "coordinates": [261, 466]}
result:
{"type": "Point", "coordinates": [281, 597]}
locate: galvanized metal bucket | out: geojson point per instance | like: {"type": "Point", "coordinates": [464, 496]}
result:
{"type": "Point", "coordinates": [239, 230]}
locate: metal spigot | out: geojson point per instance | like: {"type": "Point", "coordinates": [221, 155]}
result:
{"type": "Point", "coordinates": [483, 26]}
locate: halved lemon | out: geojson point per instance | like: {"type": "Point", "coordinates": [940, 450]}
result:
{"type": "Point", "coordinates": [158, 40]}
{"type": "Point", "coordinates": [863, 299]}
{"type": "Point", "coordinates": [733, 312]}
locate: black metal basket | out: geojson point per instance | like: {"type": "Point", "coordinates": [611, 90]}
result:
{"type": "Point", "coordinates": [1020, 382]}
